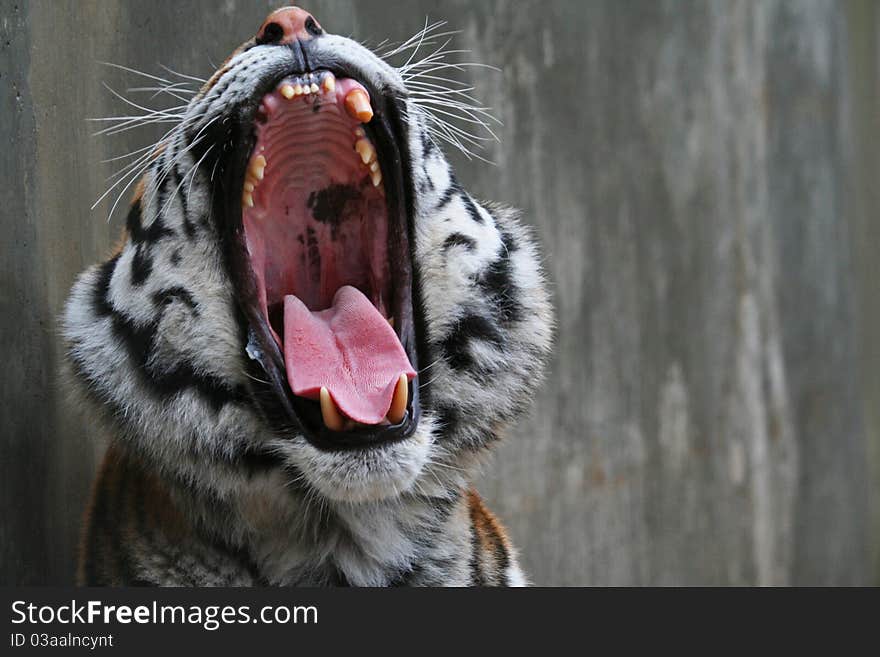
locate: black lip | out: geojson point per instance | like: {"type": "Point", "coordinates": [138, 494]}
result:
{"type": "Point", "coordinates": [288, 414]}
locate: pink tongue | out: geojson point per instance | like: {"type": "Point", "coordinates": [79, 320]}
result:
{"type": "Point", "coordinates": [350, 349]}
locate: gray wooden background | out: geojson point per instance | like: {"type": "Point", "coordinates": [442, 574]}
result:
{"type": "Point", "coordinates": [704, 179]}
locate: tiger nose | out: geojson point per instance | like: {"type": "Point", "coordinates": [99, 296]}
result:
{"type": "Point", "coordinates": [287, 25]}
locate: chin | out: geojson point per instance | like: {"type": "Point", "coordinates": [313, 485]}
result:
{"type": "Point", "coordinates": [375, 474]}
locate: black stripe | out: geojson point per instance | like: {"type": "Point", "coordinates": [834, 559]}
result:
{"type": "Point", "coordinates": [426, 185]}
{"type": "Point", "coordinates": [140, 341]}
{"type": "Point", "coordinates": [101, 292]}
{"type": "Point", "coordinates": [496, 281]}
{"type": "Point", "coordinates": [133, 221]}
{"type": "Point", "coordinates": [454, 347]}
{"type": "Point", "coordinates": [478, 578]}
{"type": "Point", "coordinates": [450, 192]}
{"type": "Point", "coordinates": [176, 293]}
{"type": "Point", "coordinates": [188, 226]}
{"type": "Point", "coordinates": [471, 208]}
{"type": "Point", "coordinates": [458, 239]}
{"type": "Point", "coordinates": [502, 559]}
{"type": "Point", "coordinates": [509, 242]}
{"type": "Point", "coordinates": [448, 417]}
{"type": "Point", "coordinates": [142, 262]}
{"type": "Point", "coordinates": [428, 145]}
{"type": "Point", "coordinates": [141, 265]}
{"type": "Point", "coordinates": [138, 234]}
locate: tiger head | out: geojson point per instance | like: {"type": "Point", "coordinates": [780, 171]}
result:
{"type": "Point", "coordinates": [305, 285]}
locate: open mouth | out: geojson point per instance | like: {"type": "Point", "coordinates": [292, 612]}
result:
{"type": "Point", "coordinates": [325, 234]}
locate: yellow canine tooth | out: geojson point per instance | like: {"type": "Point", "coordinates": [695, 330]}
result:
{"type": "Point", "coordinates": [332, 417]}
{"type": "Point", "coordinates": [358, 105]}
{"type": "Point", "coordinates": [257, 167]}
{"type": "Point", "coordinates": [313, 88]}
{"type": "Point", "coordinates": [376, 177]}
{"type": "Point", "coordinates": [247, 199]}
{"type": "Point", "coordinates": [365, 150]}
{"type": "Point", "coordinates": [287, 91]}
{"type": "Point", "coordinates": [398, 403]}
{"type": "Point", "coordinates": [329, 84]}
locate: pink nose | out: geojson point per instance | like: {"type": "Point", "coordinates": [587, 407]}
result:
{"type": "Point", "coordinates": [287, 25]}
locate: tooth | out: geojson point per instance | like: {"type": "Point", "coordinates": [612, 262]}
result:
{"type": "Point", "coordinates": [365, 150]}
{"type": "Point", "coordinates": [297, 89]}
{"type": "Point", "coordinates": [313, 88]}
{"type": "Point", "coordinates": [374, 166]}
{"type": "Point", "coordinates": [391, 321]}
{"type": "Point", "coordinates": [247, 199]}
{"type": "Point", "coordinates": [287, 91]}
{"type": "Point", "coordinates": [329, 84]}
{"type": "Point", "coordinates": [376, 177]}
{"type": "Point", "coordinates": [358, 105]}
{"type": "Point", "coordinates": [398, 403]}
{"type": "Point", "coordinates": [359, 132]}
{"type": "Point", "coordinates": [248, 186]}
{"type": "Point", "coordinates": [332, 417]}
{"type": "Point", "coordinates": [257, 167]}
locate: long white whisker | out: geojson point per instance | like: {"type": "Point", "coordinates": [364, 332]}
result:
{"type": "Point", "coordinates": [127, 155]}
{"type": "Point", "coordinates": [149, 110]}
{"type": "Point", "coordinates": [136, 72]}
{"type": "Point", "coordinates": [184, 75]}
{"type": "Point", "coordinates": [195, 170]}
{"type": "Point", "coordinates": [421, 38]}
{"type": "Point", "coordinates": [135, 175]}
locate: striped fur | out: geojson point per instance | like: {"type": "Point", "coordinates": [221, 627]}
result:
{"type": "Point", "coordinates": [198, 486]}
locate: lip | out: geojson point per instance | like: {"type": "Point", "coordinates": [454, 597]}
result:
{"type": "Point", "coordinates": [286, 413]}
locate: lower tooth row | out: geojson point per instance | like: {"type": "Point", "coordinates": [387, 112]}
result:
{"type": "Point", "coordinates": [336, 421]}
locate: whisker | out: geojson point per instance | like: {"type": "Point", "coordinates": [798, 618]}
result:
{"type": "Point", "coordinates": [184, 75]}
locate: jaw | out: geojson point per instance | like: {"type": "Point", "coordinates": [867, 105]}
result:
{"type": "Point", "coordinates": [316, 207]}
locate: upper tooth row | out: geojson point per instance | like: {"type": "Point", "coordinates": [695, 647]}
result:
{"type": "Point", "coordinates": [368, 156]}
{"type": "Point", "coordinates": [308, 84]}
{"type": "Point", "coordinates": [256, 171]}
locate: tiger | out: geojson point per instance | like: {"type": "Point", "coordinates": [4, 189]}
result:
{"type": "Point", "coordinates": [309, 338]}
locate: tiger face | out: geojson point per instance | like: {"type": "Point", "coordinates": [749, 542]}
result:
{"type": "Point", "coordinates": [304, 285]}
